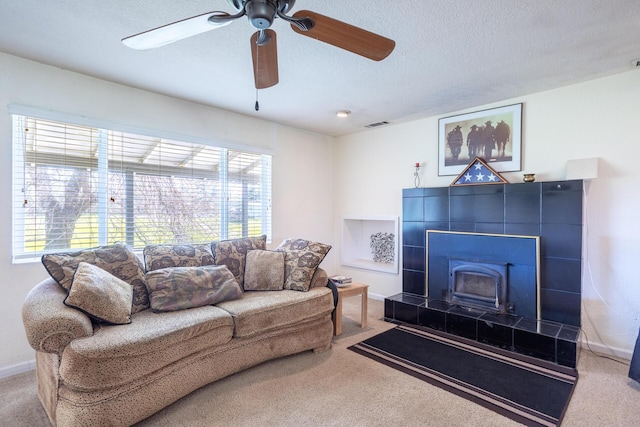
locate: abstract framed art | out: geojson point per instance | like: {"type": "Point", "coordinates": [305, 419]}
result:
{"type": "Point", "coordinates": [494, 135]}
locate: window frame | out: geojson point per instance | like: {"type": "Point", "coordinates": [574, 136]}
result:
{"type": "Point", "coordinates": [103, 169]}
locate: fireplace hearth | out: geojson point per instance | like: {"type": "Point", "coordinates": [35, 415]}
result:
{"type": "Point", "coordinates": [541, 339]}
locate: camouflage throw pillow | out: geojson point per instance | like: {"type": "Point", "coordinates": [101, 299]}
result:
{"type": "Point", "coordinates": [233, 253]}
{"type": "Point", "coordinates": [100, 295]}
{"type": "Point", "coordinates": [172, 289]}
{"type": "Point", "coordinates": [302, 258]}
{"type": "Point", "coordinates": [117, 259]}
{"type": "Point", "coordinates": [165, 256]}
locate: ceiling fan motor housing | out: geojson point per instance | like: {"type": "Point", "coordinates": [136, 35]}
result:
{"type": "Point", "coordinates": [283, 5]}
{"type": "Point", "coordinates": [261, 13]}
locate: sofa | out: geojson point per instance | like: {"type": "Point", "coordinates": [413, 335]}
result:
{"type": "Point", "coordinates": [196, 313]}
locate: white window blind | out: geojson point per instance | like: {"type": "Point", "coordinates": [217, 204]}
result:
{"type": "Point", "coordinates": [78, 186]}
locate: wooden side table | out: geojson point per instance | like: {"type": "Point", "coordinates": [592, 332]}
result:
{"type": "Point", "coordinates": [348, 291]}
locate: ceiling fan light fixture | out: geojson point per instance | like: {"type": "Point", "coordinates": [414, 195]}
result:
{"type": "Point", "coordinates": [343, 114]}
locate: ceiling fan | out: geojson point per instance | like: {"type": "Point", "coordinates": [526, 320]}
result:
{"type": "Point", "coordinates": [261, 14]}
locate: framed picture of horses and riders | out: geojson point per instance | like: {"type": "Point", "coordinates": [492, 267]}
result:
{"type": "Point", "coordinates": [494, 135]}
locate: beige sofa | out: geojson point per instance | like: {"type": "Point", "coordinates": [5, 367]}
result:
{"type": "Point", "coordinates": [92, 374]}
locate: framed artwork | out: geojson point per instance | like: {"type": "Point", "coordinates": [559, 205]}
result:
{"type": "Point", "coordinates": [494, 135]}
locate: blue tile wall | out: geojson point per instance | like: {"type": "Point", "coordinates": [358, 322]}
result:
{"type": "Point", "coordinates": [552, 210]}
{"type": "Point", "coordinates": [412, 233]}
{"type": "Point", "coordinates": [522, 204]}
{"type": "Point", "coordinates": [413, 281]}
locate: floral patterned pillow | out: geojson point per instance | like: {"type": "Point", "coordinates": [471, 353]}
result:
{"type": "Point", "coordinates": [302, 258]}
{"type": "Point", "coordinates": [164, 256]}
{"type": "Point", "coordinates": [233, 253]}
{"type": "Point", "coordinates": [179, 288]}
{"type": "Point", "coordinates": [117, 259]}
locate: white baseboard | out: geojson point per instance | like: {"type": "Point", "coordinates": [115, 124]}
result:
{"type": "Point", "coordinates": [618, 353]}
{"type": "Point", "coordinates": [376, 297]}
{"type": "Point", "coordinates": [9, 371]}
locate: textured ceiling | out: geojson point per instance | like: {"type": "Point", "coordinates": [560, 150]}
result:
{"type": "Point", "coordinates": [449, 55]}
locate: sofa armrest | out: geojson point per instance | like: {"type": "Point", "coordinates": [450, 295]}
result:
{"type": "Point", "coordinates": [319, 279]}
{"type": "Point", "coordinates": [50, 325]}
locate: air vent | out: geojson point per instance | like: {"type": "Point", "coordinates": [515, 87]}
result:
{"type": "Point", "coordinates": [375, 125]}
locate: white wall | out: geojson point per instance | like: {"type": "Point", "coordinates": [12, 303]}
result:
{"type": "Point", "coordinates": [599, 118]}
{"type": "Point", "coordinates": [318, 180]}
{"type": "Point", "coordinates": [302, 163]}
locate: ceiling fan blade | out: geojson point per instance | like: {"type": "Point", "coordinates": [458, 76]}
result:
{"type": "Point", "coordinates": [265, 59]}
{"type": "Point", "coordinates": [345, 36]}
{"type": "Point", "coordinates": [175, 31]}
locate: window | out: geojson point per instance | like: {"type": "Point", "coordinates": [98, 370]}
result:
{"type": "Point", "coordinates": [78, 186]}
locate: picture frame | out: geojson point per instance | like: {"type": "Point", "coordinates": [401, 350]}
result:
{"type": "Point", "coordinates": [463, 137]}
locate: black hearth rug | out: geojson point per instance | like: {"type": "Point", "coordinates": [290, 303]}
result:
{"type": "Point", "coordinates": [535, 393]}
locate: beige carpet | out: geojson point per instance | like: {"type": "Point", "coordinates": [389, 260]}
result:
{"type": "Point", "coordinates": [342, 388]}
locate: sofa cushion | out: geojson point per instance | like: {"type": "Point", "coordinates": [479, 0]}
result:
{"type": "Point", "coordinates": [117, 259]}
{"type": "Point", "coordinates": [164, 256]}
{"type": "Point", "coordinates": [302, 258]}
{"type": "Point", "coordinates": [119, 354]}
{"type": "Point", "coordinates": [264, 271]}
{"type": "Point", "coordinates": [232, 253]}
{"type": "Point", "coordinates": [179, 288]}
{"type": "Point", "coordinates": [260, 312]}
{"type": "Point", "coordinates": [100, 295]}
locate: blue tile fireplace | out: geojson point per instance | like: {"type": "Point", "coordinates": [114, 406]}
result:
{"type": "Point", "coordinates": [523, 297]}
